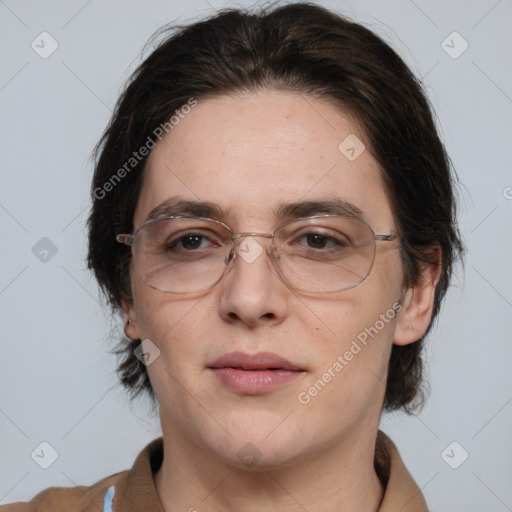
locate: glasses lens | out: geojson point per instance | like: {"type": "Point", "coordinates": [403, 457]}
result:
{"type": "Point", "coordinates": [318, 254]}
{"type": "Point", "coordinates": [181, 255]}
{"type": "Point", "coordinates": [325, 254]}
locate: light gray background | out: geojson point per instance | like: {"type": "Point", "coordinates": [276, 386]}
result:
{"type": "Point", "coordinates": [57, 378]}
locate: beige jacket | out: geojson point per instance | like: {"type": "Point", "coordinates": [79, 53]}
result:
{"type": "Point", "coordinates": [134, 490]}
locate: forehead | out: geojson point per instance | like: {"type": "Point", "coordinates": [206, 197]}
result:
{"type": "Point", "coordinates": [251, 154]}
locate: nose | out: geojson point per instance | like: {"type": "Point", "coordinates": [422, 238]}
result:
{"type": "Point", "coordinates": [252, 291]}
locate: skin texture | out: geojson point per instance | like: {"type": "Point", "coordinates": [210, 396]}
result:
{"type": "Point", "coordinates": [248, 153]}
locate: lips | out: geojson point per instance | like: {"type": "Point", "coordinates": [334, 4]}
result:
{"type": "Point", "coordinates": [254, 374]}
{"type": "Point", "coordinates": [260, 361]}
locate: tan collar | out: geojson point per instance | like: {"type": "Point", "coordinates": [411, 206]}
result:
{"type": "Point", "coordinates": [401, 492]}
{"type": "Point", "coordinates": [135, 489]}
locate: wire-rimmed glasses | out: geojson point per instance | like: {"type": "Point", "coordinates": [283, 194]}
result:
{"type": "Point", "coordinates": [318, 254]}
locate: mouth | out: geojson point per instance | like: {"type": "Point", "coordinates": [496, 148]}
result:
{"type": "Point", "coordinates": [254, 374]}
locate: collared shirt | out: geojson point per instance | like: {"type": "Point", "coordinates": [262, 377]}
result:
{"type": "Point", "coordinates": [134, 490]}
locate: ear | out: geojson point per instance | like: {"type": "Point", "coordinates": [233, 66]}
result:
{"type": "Point", "coordinates": [418, 303]}
{"type": "Point", "coordinates": [129, 317]}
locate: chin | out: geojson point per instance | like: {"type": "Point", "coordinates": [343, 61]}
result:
{"type": "Point", "coordinates": [259, 444]}
{"type": "Point", "coordinates": [259, 457]}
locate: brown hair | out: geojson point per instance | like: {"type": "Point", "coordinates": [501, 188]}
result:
{"type": "Point", "coordinates": [303, 48]}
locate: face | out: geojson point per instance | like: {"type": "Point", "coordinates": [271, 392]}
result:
{"type": "Point", "coordinates": [248, 154]}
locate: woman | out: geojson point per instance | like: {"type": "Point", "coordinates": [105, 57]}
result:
{"type": "Point", "coordinates": [273, 216]}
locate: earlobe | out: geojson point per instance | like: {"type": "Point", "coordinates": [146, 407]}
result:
{"type": "Point", "coordinates": [418, 304]}
{"type": "Point", "coordinates": [129, 320]}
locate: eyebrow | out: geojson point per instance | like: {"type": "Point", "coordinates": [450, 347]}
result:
{"type": "Point", "coordinates": [176, 206]}
{"type": "Point", "coordinates": [333, 206]}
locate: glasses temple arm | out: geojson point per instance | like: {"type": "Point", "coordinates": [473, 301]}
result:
{"type": "Point", "coordinates": [125, 239]}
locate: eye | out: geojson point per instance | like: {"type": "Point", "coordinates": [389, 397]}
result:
{"type": "Point", "coordinates": [191, 242]}
{"type": "Point", "coordinates": [320, 241]}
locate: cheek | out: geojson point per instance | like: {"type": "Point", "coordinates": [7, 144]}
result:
{"type": "Point", "coordinates": [172, 324]}
{"type": "Point", "coordinates": [360, 335]}
{"type": "Point", "coordinates": [354, 333]}
{"type": "Point", "coordinates": [335, 322]}
{"type": "Point", "coordinates": [352, 365]}
{"type": "Point", "coordinates": [186, 335]}
{"type": "Point", "coordinates": [179, 329]}
{"type": "Point", "coordinates": [158, 314]}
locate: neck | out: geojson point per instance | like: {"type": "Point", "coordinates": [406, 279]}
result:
{"type": "Point", "coordinates": [336, 479]}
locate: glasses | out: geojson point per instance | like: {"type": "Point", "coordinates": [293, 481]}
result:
{"type": "Point", "coordinates": [319, 254]}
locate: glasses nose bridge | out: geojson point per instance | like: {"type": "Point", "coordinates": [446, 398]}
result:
{"type": "Point", "coordinates": [239, 236]}
{"type": "Point", "coordinates": [236, 238]}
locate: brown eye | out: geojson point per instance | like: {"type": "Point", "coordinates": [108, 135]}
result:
{"type": "Point", "coordinates": [187, 242]}
{"type": "Point", "coordinates": [320, 240]}
{"type": "Point", "coordinates": [316, 241]}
